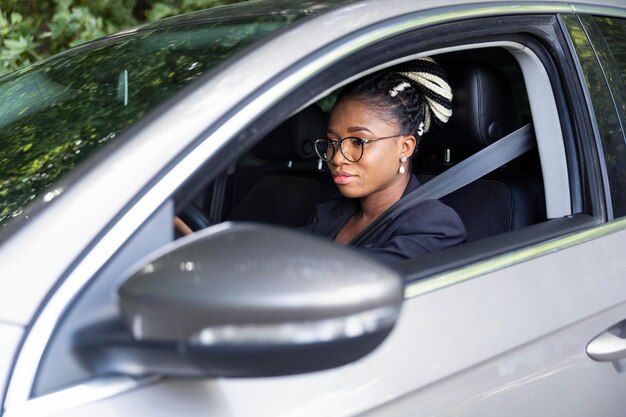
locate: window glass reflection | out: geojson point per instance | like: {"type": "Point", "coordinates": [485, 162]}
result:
{"type": "Point", "coordinates": [604, 84]}
{"type": "Point", "coordinates": [57, 113]}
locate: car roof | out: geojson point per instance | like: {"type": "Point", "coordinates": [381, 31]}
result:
{"type": "Point", "coordinates": [248, 9]}
{"type": "Point", "coordinates": [313, 7]}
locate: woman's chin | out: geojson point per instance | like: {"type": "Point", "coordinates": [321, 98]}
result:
{"type": "Point", "coordinates": [350, 192]}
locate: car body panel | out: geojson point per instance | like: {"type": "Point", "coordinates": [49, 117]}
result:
{"type": "Point", "coordinates": [11, 335]}
{"type": "Point", "coordinates": [451, 353]}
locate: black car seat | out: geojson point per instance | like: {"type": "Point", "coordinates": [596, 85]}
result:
{"type": "Point", "coordinates": [285, 187]}
{"type": "Point", "coordinates": [506, 199]}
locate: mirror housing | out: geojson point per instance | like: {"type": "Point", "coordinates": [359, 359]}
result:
{"type": "Point", "coordinates": [242, 299]}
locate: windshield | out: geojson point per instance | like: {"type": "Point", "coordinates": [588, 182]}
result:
{"type": "Point", "coordinates": [57, 113]}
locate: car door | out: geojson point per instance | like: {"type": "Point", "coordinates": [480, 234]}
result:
{"type": "Point", "coordinates": [561, 308]}
{"type": "Point", "coordinates": [496, 334]}
{"type": "Point", "coordinates": [564, 304]}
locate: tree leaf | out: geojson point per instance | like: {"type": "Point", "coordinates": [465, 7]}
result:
{"type": "Point", "coordinates": [16, 45]}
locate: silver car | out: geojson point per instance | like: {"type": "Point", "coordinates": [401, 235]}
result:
{"type": "Point", "coordinates": [209, 117]}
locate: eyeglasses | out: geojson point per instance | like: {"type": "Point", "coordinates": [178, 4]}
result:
{"type": "Point", "coordinates": [351, 147]}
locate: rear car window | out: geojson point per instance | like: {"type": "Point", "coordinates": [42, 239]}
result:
{"type": "Point", "coordinates": [613, 32]}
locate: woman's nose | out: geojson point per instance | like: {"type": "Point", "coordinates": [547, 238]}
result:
{"type": "Point", "coordinates": [338, 157]}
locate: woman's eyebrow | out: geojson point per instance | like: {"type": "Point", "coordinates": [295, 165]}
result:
{"type": "Point", "coordinates": [358, 129]}
{"type": "Point", "coordinates": [352, 129]}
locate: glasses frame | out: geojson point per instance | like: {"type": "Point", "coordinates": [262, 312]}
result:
{"type": "Point", "coordinates": [335, 142]}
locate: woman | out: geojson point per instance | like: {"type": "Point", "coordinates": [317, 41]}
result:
{"type": "Point", "coordinates": [374, 129]}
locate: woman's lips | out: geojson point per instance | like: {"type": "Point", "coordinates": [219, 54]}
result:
{"type": "Point", "coordinates": [341, 178]}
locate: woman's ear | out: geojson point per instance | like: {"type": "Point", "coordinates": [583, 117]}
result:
{"type": "Point", "coordinates": [408, 144]}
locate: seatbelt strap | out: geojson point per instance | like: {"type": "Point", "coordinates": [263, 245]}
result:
{"type": "Point", "coordinates": [466, 171]}
{"type": "Point", "coordinates": [217, 199]}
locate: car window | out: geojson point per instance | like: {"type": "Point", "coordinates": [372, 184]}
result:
{"type": "Point", "coordinates": [55, 114]}
{"type": "Point", "coordinates": [614, 32]}
{"type": "Point", "coordinates": [600, 44]}
{"type": "Point", "coordinates": [281, 180]}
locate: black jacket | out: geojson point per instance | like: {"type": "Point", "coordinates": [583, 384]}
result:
{"type": "Point", "coordinates": [427, 227]}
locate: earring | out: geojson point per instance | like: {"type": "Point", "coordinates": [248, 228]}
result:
{"type": "Point", "coordinates": [402, 161]}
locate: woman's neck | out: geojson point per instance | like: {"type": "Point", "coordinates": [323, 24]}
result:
{"type": "Point", "coordinates": [375, 204]}
{"type": "Point", "coordinates": [372, 206]}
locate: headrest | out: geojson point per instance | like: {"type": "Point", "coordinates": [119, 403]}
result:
{"type": "Point", "coordinates": [293, 139]}
{"type": "Point", "coordinates": [482, 109]}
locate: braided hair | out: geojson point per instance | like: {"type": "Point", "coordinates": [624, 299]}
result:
{"type": "Point", "coordinates": [413, 94]}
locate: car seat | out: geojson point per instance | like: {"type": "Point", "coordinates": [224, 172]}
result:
{"type": "Point", "coordinates": [289, 181]}
{"type": "Point", "coordinates": [508, 198]}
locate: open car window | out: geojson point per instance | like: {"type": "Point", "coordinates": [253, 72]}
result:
{"type": "Point", "coordinates": [280, 179]}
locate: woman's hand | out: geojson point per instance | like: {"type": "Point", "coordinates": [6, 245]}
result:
{"type": "Point", "coordinates": [181, 227]}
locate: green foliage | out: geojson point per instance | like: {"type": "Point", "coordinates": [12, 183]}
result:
{"type": "Point", "coordinates": [33, 30]}
{"type": "Point", "coordinates": [18, 42]}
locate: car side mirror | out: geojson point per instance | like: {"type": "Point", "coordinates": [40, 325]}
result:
{"type": "Point", "coordinates": [242, 299]}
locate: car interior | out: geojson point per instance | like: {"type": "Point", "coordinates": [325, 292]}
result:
{"type": "Point", "coordinates": [280, 180]}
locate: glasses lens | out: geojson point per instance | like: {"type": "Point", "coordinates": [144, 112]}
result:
{"type": "Point", "coordinates": [324, 149]}
{"type": "Point", "coordinates": [352, 149]}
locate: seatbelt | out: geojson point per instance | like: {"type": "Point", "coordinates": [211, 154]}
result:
{"type": "Point", "coordinates": [219, 191]}
{"type": "Point", "coordinates": [471, 169]}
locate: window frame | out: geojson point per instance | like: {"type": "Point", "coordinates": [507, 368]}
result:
{"type": "Point", "coordinates": [610, 139]}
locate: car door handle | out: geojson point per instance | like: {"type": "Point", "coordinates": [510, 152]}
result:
{"type": "Point", "coordinates": [607, 347]}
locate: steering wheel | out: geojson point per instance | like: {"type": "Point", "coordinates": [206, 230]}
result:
{"type": "Point", "coordinates": [191, 220]}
